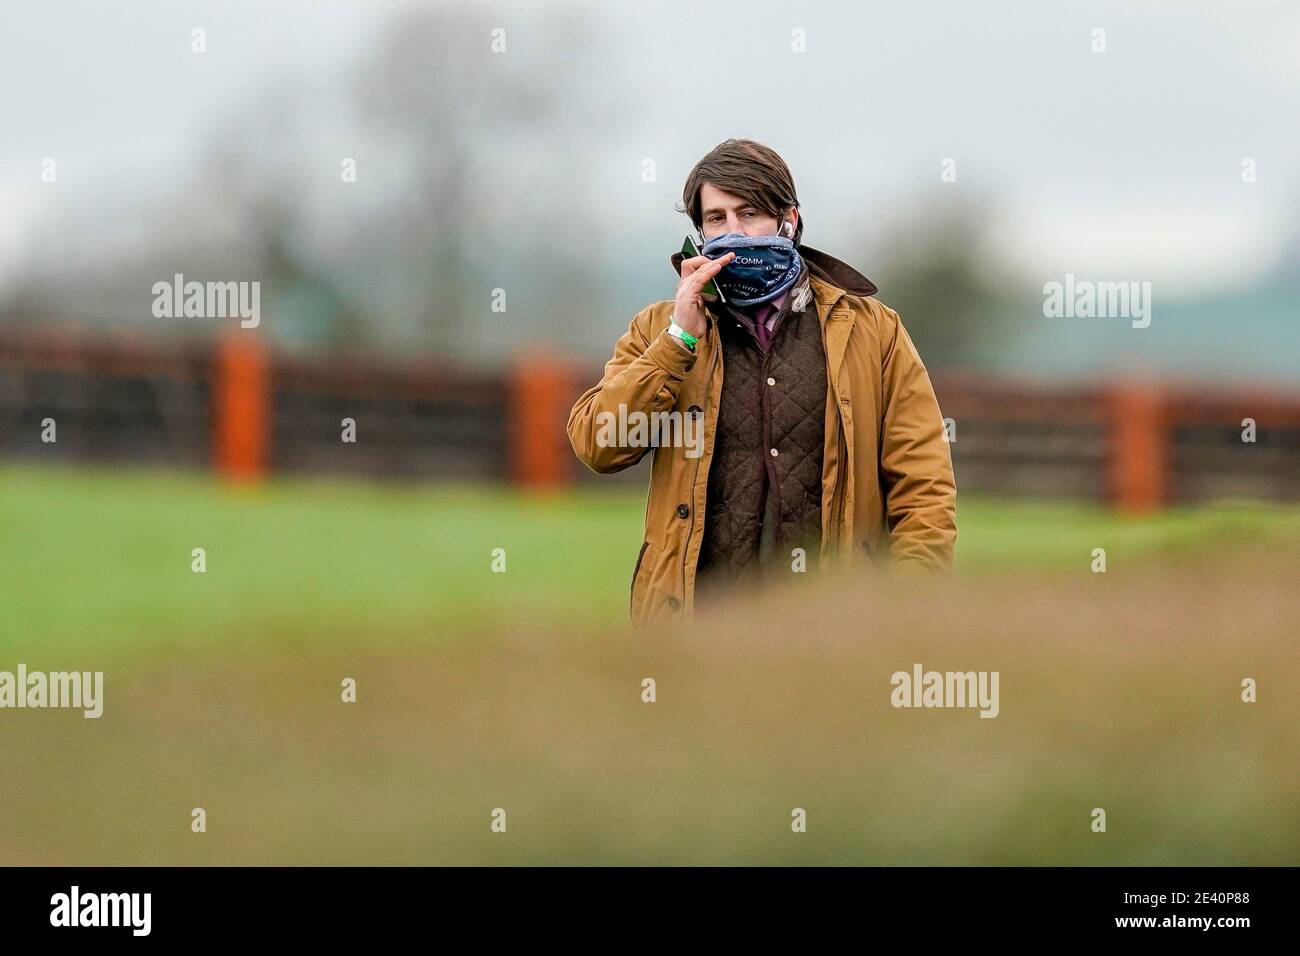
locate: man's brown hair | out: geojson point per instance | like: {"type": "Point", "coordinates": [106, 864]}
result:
{"type": "Point", "coordinates": [747, 169]}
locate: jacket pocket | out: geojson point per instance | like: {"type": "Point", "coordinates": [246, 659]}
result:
{"type": "Point", "coordinates": [631, 599]}
{"type": "Point", "coordinates": [646, 582]}
{"type": "Point", "coordinates": [876, 549]}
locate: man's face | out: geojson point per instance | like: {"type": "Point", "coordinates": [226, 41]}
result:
{"type": "Point", "coordinates": [722, 213]}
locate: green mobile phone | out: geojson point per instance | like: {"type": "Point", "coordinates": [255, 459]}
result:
{"type": "Point", "coordinates": [690, 250]}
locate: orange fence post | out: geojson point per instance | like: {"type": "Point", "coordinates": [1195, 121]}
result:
{"type": "Point", "coordinates": [541, 395]}
{"type": "Point", "coordinates": [1138, 480]}
{"type": "Point", "coordinates": [241, 406]}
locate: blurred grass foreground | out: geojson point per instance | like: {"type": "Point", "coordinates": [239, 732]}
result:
{"type": "Point", "coordinates": [524, 691]}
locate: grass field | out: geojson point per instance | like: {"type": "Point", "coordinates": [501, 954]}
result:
{"type": "Point", "coordinates": [522, 690]}
{"type": "Point", "coordinates": [99, 563]}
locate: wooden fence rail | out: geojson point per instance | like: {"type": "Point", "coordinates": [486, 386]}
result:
{"type": "Point", "coordinates": [234, 405]}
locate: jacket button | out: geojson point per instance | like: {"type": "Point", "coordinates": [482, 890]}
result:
{"type": "Point", "coordinates": [773, 452]}
{"type": "Point", "coordinates": [674, 603]}
{"type": "Point", "coordinates": [694, 410]}
{"type": "Point", "coordinates": [771, 381]}
{"type": "Point", "coordinates": [683, 511]}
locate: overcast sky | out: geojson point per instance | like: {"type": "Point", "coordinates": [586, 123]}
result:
{"type": "Point", "coordinates": [1123, 164]}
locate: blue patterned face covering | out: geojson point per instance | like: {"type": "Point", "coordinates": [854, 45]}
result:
{"type": "Point", "coordinates": [764, 267]}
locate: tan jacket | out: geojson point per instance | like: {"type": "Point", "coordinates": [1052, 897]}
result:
{"type": "Point", "coordinates": [887, 483]}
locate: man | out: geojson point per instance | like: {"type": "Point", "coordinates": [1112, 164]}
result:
{"type": "Point", "coordinates": [822, 445]}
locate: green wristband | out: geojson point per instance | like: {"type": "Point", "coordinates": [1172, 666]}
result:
{"type": "Point", "coordinates": [687, 339]}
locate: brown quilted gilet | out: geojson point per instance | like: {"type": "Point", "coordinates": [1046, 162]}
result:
{"type": "Point", "coordinates": [762, 506]}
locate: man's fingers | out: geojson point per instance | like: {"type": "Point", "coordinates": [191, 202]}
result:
{"type": "Point", "coordinates": [704, 262]}
{"type": "Point", "coordinates": [704, 273]}
{"type": "Point", "coordinates": [706, 270]}
{"type": "Point", "coordinates": [693, 263]}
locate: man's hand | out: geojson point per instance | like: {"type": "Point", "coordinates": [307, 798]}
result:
{"type": "Point", "coordinates": [688, 305]}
